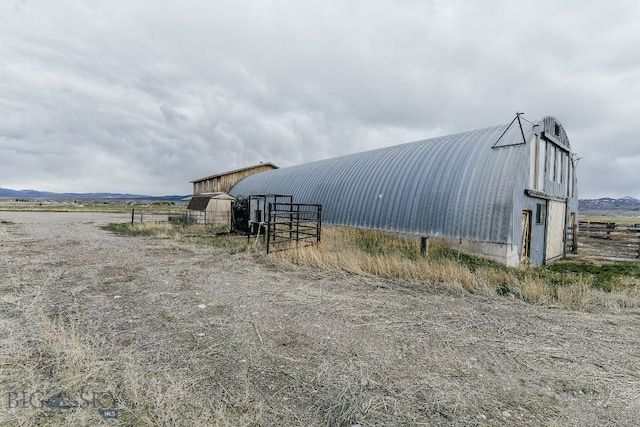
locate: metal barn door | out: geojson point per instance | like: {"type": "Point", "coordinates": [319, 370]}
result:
{"type": "Point", "coordinates": [556, 217]}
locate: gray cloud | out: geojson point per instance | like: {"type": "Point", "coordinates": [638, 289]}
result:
{"type": "Point", "coordinates": [145, 96]}
{"type": "Point", "coordinates": [172, 116]}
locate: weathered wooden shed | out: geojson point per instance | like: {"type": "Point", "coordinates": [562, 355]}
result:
{"type": "Point", "coordinates": [211, 209]}
{"type": "Point", "coordinates": [222, 182]}
{"type": "Point", "coordinates": [506, 192]}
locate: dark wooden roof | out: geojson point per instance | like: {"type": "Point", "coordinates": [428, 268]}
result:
{"type": "Point", "coordinates": [198, 203]}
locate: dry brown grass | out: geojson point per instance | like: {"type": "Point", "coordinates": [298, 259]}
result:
{"type": "Point", "coordinates": [388, 255]}
{"type": "Point", "coordinates": [67, 356]}
{"type": "Point", "coordinates": [365, 252]}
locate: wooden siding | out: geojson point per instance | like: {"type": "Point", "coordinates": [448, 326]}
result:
{"type": "Point", "coordinates": [215, 212]}
{"type": "Point", "coordinates": [218, 212]}
{"type": "Point", "coordinates": [224, 182]}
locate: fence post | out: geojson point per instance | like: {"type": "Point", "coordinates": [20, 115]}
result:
{"type": "Point", "coordinates": [424, 246]}
{"type": "Point", "coordinates": [574, 248]}
{"type": "Point", "coordinates": [297, 224]}
{"type": "Point", "coordinates": [133, 212]}
{"type": "Point", "coordinates": [319, 223]}
{"type": "Point", "coordinates": [291, 221]}
{"type": "Point", "coordinates": [268, 233]}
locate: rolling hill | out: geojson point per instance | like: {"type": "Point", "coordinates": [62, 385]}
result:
{"type": "Point", "coordinates": [35, 194]}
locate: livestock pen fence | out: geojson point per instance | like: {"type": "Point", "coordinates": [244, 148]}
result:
{"type": "Point", "coordinates": [292, 222]}
{"type": "Point", "coordinates": [605, 240]}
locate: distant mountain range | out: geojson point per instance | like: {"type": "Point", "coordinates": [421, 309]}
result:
{"type": "Point", "coordinates": [607, 203]}
{"type": "Point", "coordinates": [34, 194]}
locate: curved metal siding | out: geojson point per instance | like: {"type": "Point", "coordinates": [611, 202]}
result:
{"type": "Point", "coordinates": [452, 186]}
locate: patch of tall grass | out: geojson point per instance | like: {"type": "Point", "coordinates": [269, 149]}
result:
{"type": "Point", "coordinates": [149, 228]}
{"type": "Point", "coordinates": [71, 363]}
{"type": "Point", "coordinates": [194, 233]}
{"type": "Point", "coordinates": [569, 284]}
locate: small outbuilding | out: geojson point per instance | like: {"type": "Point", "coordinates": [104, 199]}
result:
{"type": "Point", "coordinates": [211, 209]}
{"type": "Point", "coordinates": [506, 192]}
{"type": "Point", "coordinates": [211, 204]}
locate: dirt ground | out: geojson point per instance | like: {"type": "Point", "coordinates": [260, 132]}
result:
{"type": "Point", "coordinates": [186, 334]}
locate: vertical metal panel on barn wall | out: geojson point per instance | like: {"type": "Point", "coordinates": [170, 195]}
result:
{"type": "Point", "coordinates": [538, 229]}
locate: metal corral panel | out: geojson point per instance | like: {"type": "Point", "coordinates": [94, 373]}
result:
{"type": "Point", "coordinates": [460, 185]}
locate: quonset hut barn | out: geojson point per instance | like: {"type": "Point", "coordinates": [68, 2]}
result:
{"type": "Point", "coordinates": [506, 192]}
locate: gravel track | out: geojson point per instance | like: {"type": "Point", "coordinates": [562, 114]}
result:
{"type": "Point", "coordinates": [252, 340]}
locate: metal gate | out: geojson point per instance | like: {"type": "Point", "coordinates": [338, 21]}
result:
{"type": "Point", "coordinates": [292, 222]}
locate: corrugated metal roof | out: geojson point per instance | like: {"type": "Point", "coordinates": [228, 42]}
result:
{"type": "Point", "coordinates": [451, 186]}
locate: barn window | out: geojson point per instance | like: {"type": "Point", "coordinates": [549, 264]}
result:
{"type": "Point", "coordinates": [215, 184]}
{"type": "Point", "coordinates": [570, 178]}
{"type": "Point", "coordinates": [557, 130]}
{"type": "Point", "coordinates": [558, 177]}
{"type": "Point", "coordinates": [542, 164]}
{"type": "Point", "coordinates": [533, 174]}
{"type": "Point", "coordinates": [539, 213]}
{"type": "Point", "coordinates": [552, 154]}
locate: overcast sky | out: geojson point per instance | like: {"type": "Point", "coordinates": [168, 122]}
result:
{"type": "Point", "coordinates": [145, 96]}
